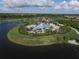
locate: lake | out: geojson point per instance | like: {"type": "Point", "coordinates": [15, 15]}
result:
{"type": "Point", "coordinates": [11, 50]}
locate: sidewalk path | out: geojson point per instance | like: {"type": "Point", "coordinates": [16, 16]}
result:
{"type": "Point", "coordinates": [74, 41]}
{"type": "Point", "coordinates": [75, 30]}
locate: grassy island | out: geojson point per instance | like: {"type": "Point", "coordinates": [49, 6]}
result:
{"type": "Point", "coordinates": [20, 36]}
{"type": "Point", "coordinates": [28, 40]}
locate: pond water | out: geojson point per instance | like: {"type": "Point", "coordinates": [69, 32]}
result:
{"type": "Point", "coordinates": [9, 49]}
{"type": "Point", "coordinates": [4, 28]}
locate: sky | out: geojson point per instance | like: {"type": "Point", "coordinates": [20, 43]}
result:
{"type": "Point", "coordinates": [40, 6]}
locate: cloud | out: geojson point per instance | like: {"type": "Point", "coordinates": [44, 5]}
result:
{"type": "Point", "coordinates": [22, 3]}
{"type": "Point", "coordinates": [39, 5]}
{"type": "Point", "coordinates": [71, 5]}
{"type": "Point", "coordinates": [74, 3]}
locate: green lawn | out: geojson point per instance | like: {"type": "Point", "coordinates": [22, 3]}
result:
{"type": "Point", "coordinates": [31, 40]}
{"type": "Point", "coordinates": [34, 40]}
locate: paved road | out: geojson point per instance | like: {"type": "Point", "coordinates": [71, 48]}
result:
{"type": "Point", "coordinates": [75, 30]}
{"type": "Point", "coordinates": [74, 41]}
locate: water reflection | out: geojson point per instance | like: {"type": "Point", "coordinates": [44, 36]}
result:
{"type": "Point", "coordinates": [4, 28]}
{"type": "Point", "coordinates": [9, 49]}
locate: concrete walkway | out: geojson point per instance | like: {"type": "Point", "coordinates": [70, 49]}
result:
{"type": "Point", "coordinates": [74, 41]}
{"type": "Point", "coordinates": [75, 30]}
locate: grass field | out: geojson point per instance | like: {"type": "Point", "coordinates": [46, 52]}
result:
{"type": "Point", "coordinates": [28, 40]}
{"type": "Point", "coordinates": [34, 40]}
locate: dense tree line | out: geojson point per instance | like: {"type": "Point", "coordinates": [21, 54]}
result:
{"type": "Point", "coordinates": [74, 24]}
{"type": "Point", "coordinates": [22, 15]}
